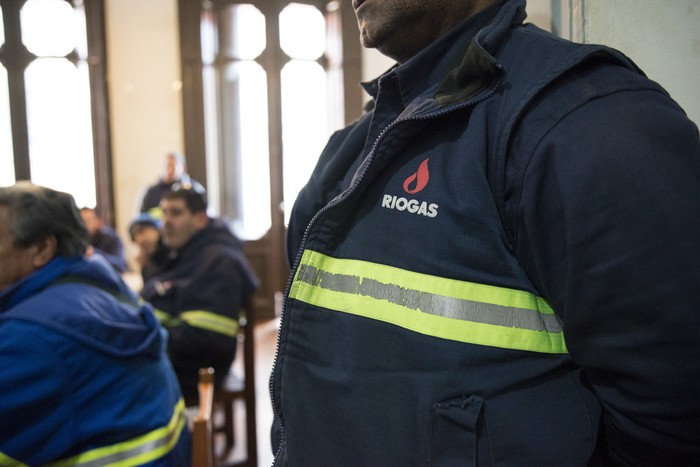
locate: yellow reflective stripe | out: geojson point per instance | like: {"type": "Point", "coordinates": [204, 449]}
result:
{"type": "Point", "coordinates": [7, 461]}
{"type": "Point", "coordinates": [211, 322]}
{"type": "Point", "coordinates": [137, 451]}
{"type": "Point", "coordinates": [156, 213]}
{"type": "Point", "coordinates": [166, 319]}
{"type": "Point", "coordinates": [444, 308]}
{"type": "Point", "coordinates": [200, 319]}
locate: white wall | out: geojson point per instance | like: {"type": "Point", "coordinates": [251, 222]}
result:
{"type": "Point", "coordinates": [663, 38]}
{"type": "Point", "coordinates": [145, 97]}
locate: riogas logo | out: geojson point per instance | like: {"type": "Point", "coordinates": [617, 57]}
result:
{"type": "Point", "coordinates": [416, 182]}
{"type": "Point", "coordinates": [413, 184]}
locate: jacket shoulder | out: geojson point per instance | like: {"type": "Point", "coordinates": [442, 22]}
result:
{"type": "Point", "coordinates": [545, 78]}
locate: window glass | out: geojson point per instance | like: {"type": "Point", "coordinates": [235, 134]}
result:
{"type": "Point", "coordinates": [59, 129]}
{"type": "Point", "coordinates": [302, 31]}
{"type": "Point", "coordinates": [7, 163]}
{"type": "Point", "coordinates": [81, 41]}
{"type": "Point", "coordinates": [237, 141]}
{"type": "Point", "coordinates": [2, 29]}
{"type": "Point", "coordinates": [305, 112]}
{"type": "Point", "coordinates": [59, 126]}
{"type": "Point", "coordinates": [245, 134]}
{"type": "Point", "coordinates": [211, 138]}
{"type": "Point", "coordinates": [49, 27]}
{"type": "Point", "coordinates": [208, 37]}
{"type": "Point", "coordinates": [304, 124]}
{"type": "Point", "coordinates": [245, 40]}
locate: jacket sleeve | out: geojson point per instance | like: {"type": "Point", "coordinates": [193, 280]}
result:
{"type": "Point", "coordinates": [112, 248]}
{"type": "Point", "coordinates": [608, 226]}
{"type": "Point", "coordinates": [35, 410]}
{"type": "Point", "coordinates": [216, 285]}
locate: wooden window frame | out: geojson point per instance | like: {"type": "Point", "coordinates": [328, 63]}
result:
{"type": "Point", "coordinates": [15, 58]}
{"type": "Point", "coordinates": [267, 255]}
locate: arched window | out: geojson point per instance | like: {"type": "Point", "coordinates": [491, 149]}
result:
{"type": "Point", "coordinates": [265, 83]}
{"type": "Point", "coordinates": [51, 99]}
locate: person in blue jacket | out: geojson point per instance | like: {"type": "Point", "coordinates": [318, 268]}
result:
{"type": "Point", "coordinates": [103, 239]}
{"type": "Point", "coordinates": [495, 265]}
{"type": "Point", "coordinates": [84, 377]}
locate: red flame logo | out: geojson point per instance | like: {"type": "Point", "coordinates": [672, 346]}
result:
{"type": "Point", "coordinates": [417, 181]}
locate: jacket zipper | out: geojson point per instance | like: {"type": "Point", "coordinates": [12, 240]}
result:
{"type": "Point", "coordinates": [334, 202]}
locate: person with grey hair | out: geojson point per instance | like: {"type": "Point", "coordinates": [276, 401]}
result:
{"type": "Point", "coordinates": [85, 376]}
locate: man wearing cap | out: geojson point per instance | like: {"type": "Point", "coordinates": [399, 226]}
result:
{"type": "Point", "coordinates": [201, 287]}
{"type": "Point", "coordinates": [152, 253]}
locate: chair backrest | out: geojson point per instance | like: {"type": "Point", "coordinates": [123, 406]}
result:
{"type": "Point", "coordinates": [202, 438]}
{"type": "Point", "coordinates": [235, 388]}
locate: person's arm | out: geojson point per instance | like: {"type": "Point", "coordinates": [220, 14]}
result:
{"type": "Point", "coordinates": [208, 300]}
{"type": "Point", "coordinates": [34, 408]}
{"type": "Point", "coordinates": [608, 228]}
{"type": "Point", "coordinates": [118, 262]}
{"type": "Point", "coordinates": [109, 245]}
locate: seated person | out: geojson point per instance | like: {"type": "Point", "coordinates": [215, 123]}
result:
{"type": "Point", "coordinates": [200, 289]}
{"type": "Point", "coordinates": [85, 378]}
{"type": "Point", "coordinates": [152, 253]}
{"type": "Point", "coordinates": [104, 239]}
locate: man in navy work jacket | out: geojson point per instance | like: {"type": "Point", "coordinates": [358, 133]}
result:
{"type": "Point", "coordinates": [84, 377]}
{"type": "Point", "coordinates": [200, 288]}
{"type": "Point", "coordinates": [496, 265]}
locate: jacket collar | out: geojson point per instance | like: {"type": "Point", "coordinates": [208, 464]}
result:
{"type": "Point", "coordinates": [35, 282]}
{"type": "Point", "coordinates": [460, 74]}
{"type": "Point", "coordinates": [477, 68]}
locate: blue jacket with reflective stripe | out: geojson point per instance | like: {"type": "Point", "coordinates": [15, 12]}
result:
{"type": "Point", "coordinates": [83, 367]}
{"type": "Point", "coordinates": [499, 162]}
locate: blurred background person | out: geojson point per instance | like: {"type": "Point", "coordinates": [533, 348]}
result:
{"type": "Point", "coordinates": [84, 372]}
{"type": "Point", "coordinates": [201, 287]}
{"type": "Point", "coordinates": [151, 252]}
{"type": "Point", "coordinates": [103, 239]}
{"type": "Point", "coordinates": [174, 171]}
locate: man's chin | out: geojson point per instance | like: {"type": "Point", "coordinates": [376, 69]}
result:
{"type": "Point", "coordinates": [367, 39]}
{"type": "Point", "coordinates": [169, 243]}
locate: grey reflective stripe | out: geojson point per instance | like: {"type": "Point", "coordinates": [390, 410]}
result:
{"type": "Point", "coordinates": [137, 451]}
{"type": "Point", "coordinates": [446, 308]}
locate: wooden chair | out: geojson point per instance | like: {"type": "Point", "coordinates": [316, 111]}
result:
{"type": "Point", "coordinates": [235, 387]}
{"type": "Point", "coordinates": [202, 437]}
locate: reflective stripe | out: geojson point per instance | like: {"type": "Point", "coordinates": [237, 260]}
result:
{"type": "Point", "coordinates": [445, 308]}
{"type": "Point", "coordinates": [137, 451]}
{"type": "Point", "coordinates": [7, 461]}
{"type": "Point", "coordinates": [200, 319]}
{"type": "Point", "coordinates": [211, 321]}
{"type": "Point", "coordinates": [156, 213]}
{"type": "Point", "coordinates": [166, 319]}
